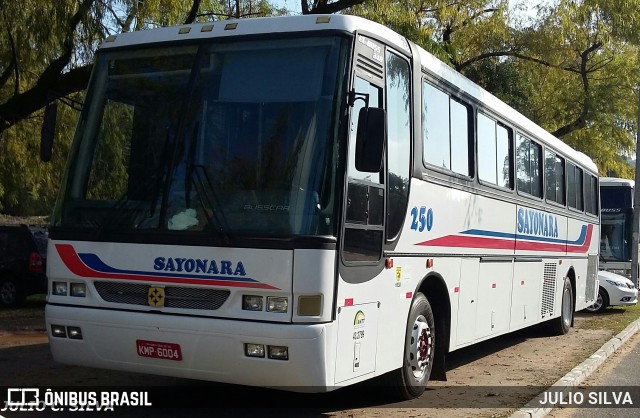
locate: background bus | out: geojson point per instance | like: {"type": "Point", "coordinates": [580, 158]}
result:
{"type": "Point", "coordinates": [616, 201]}
{"type": "Point", "coordinates": [305, 203]}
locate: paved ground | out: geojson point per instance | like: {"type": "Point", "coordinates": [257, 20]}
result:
{"type": "Point", "coordinates": [490, 379]}
{"type": "Point", "coordinates": [596, 372]}
{"type": "Point", "coordinates": [618, 375]}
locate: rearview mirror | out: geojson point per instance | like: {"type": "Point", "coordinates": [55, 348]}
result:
{"type": "Point", "coordinates": [370, 138]}
{"type": "Point", "coordinates": [48, 131]}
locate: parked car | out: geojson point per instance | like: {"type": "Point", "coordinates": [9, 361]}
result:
{"type": "Point", "coordinates": [614, 290]}
{"type": "Point", "coordinates": [23, 257]}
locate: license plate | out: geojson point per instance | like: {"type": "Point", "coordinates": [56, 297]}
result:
{"type": "Point", "coordinates": [157, 349]}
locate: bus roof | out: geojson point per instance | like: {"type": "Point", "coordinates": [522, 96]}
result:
{"type": "Point", "coordinates": [256, 26]}
{"type": "Point", "coordinates": [351, 24]}
{"type": "Point", "coordinates": [616, 181]}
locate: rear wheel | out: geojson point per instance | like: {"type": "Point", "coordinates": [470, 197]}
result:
{"type": "Point", "coordinates": [10, 294]}
{"type": "Point", "coordinates": [562, 324]}
{"type": "Point", "coordinates": [601, 303]}
{"type": "Point", "coordinates": [419, 347]}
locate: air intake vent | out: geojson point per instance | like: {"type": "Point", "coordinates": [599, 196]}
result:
{"type": "Point", "coordinates": [370, 67]}
{"type": "Point", "coordinates": [548, 290]}
{"type": "Point", "coordinates": [592, 274]}
{"type": "Point", "coordinates": [174, 296]}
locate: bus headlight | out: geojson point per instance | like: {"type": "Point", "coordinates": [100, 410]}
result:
{"type": "Point", "coordinates": [59, 288]}
{"type": "Point", "coordinates": [254, 350]}
{"type": "Point", "coordinates": [58, 331]}
{"type": "Point", "coordinates": [277, 304]}
{"type": "Point", "coordinates": [252, 302]}
{"type": "Point", "coordinates": [78, 290]}
{"type": "Point", "coordinates": [277, 352]}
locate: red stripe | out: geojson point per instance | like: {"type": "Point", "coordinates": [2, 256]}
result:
{"type": "Point", "coordinates": [470, 242]}
{"type": "Point", "coordinates": [502, 244]}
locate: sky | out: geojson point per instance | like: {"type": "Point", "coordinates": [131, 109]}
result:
{"type": "Point", "coordinates": [528, 10]}
{"type": "Point", "coordinates": [291, 5]}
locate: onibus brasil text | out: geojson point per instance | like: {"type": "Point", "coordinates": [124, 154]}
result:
{"type": "Point", "coordinates": [31, 399]}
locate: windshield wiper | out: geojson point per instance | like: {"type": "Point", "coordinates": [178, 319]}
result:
{"type": "Point", "coordinates": [180, 132]}
{"type": "Point", "coordinates": [196, 175]}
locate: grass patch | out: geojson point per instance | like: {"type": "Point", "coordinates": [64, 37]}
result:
{"type": "Point", "coordinates": [28, 317]}
{"type": "Point", "coordinates": [615, 318]}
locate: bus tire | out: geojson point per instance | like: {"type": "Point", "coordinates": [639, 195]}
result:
{"type": "Point", "coordinates": [409, 381]}
{"type": "Point", "coordinates": [11, 294]}
{"type": "Point", "coordinates": [562, 324]}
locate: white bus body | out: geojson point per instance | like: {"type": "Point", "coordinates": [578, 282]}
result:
{"type": "Point", "coordinates": [343, 276]}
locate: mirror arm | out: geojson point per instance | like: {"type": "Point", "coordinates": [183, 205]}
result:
{"type": "Point", "coordinates": [353, 96]}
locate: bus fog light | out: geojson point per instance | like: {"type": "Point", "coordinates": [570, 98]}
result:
{"type": "Point", "coordinates": [75, 333]}
{"type": "Point", "coordinates": [252, 302]}
{"type": "Point", "coordinates": [277, 352]}
{"type": "Point", "coordinates": [310, 305]}
{"type": "Point", "coordinates": [58, 331]}
{"type": "Point", "coordinates": [59, 288]}
{"type": "Point", "coordinates": [277, 304]}
{"type": "Point", "coordinates": [78, 290]}
{"type": "Point", "coordinates": [254, 350]}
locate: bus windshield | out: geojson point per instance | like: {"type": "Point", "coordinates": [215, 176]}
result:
{"type": "Point", "coordinates": [616, 228]}
{"type": "Point", "coordinates": [615, 238]}
{"type": "Point", "coordinates": [223, 139]}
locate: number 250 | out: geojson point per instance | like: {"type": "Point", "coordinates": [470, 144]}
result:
{"type": "Point", "coordinates": [422, 219]}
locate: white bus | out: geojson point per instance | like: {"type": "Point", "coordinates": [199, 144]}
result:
{"type": "Point", "coordinates": [304, 203]}
{"type": "Point", "coordinates": [616, 203]}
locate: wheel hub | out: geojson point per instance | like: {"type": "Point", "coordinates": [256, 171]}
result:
{"type": "Point", "coordinates": [421, 346]}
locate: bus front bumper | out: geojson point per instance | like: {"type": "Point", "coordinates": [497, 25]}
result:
{"type": "Point", "coordinates": [192, 347]}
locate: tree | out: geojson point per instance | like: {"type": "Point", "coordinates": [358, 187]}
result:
{"type": "Point", "coordinates": [573, 70]}
{"type": "Point", "coordinates": [584, 76]}
{"type": "Point", "coordinates": [46, 51]}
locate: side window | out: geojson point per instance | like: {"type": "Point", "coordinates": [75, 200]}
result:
{"type": "Point", "coordinates": [374, 93]}
{"type": "Point", "coordinates": [398, 141]}
{"type": "Point", "coordinates": [494, 144]}
{"type": "Point", "coordinates": [460, 138]}
{"type": "Point", "coordinates": [574, 187]}
{"type": "Point", "coordinates": [445, 132]}
{"type": "Point", "coordinates": [591, 194]}
{"type": "Point", "coordinates": [363, 232]}
{"type": "Point", "coordinates": [529, 166]}
{"type": "Point", "coordinates": [554, 177]}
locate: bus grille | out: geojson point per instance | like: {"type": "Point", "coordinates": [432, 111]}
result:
{"type": "Point", "coordinates": [175, 296]}
{"type": "Point", "coordinates": [548, 290]}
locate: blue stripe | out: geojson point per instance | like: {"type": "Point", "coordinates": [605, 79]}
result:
{"type": "Point", "coordinates": [494, 234]}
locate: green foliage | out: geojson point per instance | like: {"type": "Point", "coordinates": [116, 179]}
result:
{"type": "Point", "coordinates": [572, 68]}
{"type": "Point", "coordinates": [584, 81]}
{"type": "Point", "coordinates": [29, 186]}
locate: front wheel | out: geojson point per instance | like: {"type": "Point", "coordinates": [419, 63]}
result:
{"type": "Point", "coordinates": [419, 347]}
{"type": "Point", "coordinates": [562, 324]}
{"type": "Point", "coordinates": [601, 303]}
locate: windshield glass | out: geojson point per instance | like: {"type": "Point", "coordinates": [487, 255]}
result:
{"type": "Point", "coordinates": [615, 237]}
{"type": "Point", "coordinates": [228, 139]}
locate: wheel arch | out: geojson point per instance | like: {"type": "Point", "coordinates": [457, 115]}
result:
{"type": "Point", "coordinates": [434, 288]}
